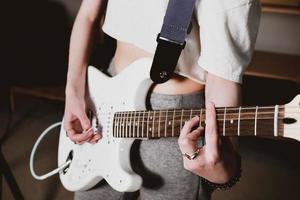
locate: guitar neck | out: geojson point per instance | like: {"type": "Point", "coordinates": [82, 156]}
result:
{"type": "Point", "coordinates": [232, 121]}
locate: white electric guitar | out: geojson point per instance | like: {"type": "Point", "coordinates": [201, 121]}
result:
{"type": "Point", "coordinates": [118, 105]}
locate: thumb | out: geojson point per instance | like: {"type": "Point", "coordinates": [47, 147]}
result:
{"type": "Point", "coordinates": [84, 120]}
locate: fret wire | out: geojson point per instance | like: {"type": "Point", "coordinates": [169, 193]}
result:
{"type": "Point", "coordinates": [173, 123]}
{"type": "Point", "coordinates": [138, 124]}
{"type": "Point", "coordinates": [148, 125]}
{"type": "Point", "coordinates": [181, 119]}
{"type": "Point", "coordinates": [115, 133]}
{"type": "Point", "coordinates": [114, 127]}
{"type": "Point", "coordinates": [239, 120]}
{"type": "Point", "coordinates": [153, 128]}
{"type": "Point", "coordinates": [123, 127]}
{"type": "Point", "coordinates": [133, 126]}
{"type": "Point", "coordinates": [200, 117]}
{"type": "Point", "coordinates": [126, 123]}
{"type": "Point", "coordinates": [159, 118]}
{"type": "Point", "coordinates": [129, 125]}
{"type": "Point", "coordinates": [224, 121]}
{"type": "Point", "coordinates": [255, 122]}
{"type": "Point", "coordinates": [143, 123]}
{"type": "Point", "coordinates": [275, 121]}
{"type": "Point", "coordinates": [118, 127]}
{"type": "Point", "coordinates": [191, 114]}
{"type": "Point", "coordinates": [118, 124]}
{"type": "Point", "coordinates": [166, 123]}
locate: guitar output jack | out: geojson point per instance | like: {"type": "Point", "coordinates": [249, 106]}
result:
{"type": "Point", "coordinates": [70, 157]}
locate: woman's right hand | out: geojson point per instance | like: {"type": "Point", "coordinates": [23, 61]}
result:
{"type": "Point", "coordinates": [76, 123]}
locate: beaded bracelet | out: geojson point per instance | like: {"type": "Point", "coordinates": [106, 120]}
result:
{"type": "Point", "coordinates": [228, 184]}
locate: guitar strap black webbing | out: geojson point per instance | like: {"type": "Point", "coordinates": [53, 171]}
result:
{"type": "Point", "coordinates": [171, 39]}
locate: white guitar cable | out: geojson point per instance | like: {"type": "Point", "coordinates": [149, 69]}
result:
{"type": "Point", "coordinates": [55, 171]}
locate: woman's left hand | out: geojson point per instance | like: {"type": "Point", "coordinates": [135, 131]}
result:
{"type": "Point", "coordinates": [210, 163]}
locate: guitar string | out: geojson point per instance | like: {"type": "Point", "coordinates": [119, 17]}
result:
{"type": "Point", "coordinates": [170, 112]}
{"type": "Point", "coordinates": [195, 114]}
{"type": "Point", "coordinates": [245, 118]}
{"type": "Point", "coordinates": [235, 108]}
{"type": "Point", "coordinates": [203, 109]}
{"type": "Point", "coordinates": [188, 116]}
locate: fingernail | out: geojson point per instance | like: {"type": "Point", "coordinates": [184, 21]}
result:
{"type": "Point", "coordinates": [88, 130]}
{"type": "Point", "coordinates": [97, 137]}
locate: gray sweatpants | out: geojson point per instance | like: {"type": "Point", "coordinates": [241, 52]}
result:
{"type": "Point", "coordinates": [158, 162]}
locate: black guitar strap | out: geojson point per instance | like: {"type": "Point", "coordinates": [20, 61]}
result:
{"type": "Point", "coordinates": [171, 39]}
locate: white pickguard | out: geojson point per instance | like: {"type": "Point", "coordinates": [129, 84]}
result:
{"type": "Point", "coordinates": [110, 157]}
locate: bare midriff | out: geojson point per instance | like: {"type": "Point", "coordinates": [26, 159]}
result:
{"type": "Point", "coordinates": [127, 53]}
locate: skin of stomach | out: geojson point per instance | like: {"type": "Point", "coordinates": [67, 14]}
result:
{"type": "Point", "coordinates": [127, 53]}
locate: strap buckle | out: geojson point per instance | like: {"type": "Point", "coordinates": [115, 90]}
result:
{"type": "Point", "coordinates": [165, 59]}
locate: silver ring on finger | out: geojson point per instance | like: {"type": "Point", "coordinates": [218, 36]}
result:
{"type": "Point", "coordinates": [192, 156]}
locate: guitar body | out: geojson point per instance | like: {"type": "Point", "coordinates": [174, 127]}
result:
{"type": "Point", "coordinates": [108, 159]}
{"type": "Point", "coordinates": [114, 103]}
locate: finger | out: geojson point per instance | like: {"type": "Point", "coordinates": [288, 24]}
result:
{"type": "Point", "coordinates": [188, 126]}
{"type": "Point", "coordinates": [211, 130]}
{"type": "Point", "coordinates": [189, 143]}
{"type": "Point", "coordinates": [79, 137]}
{"type": "Point", "coordinates": [68, 122]}
{"type": "Point", "coordinates": [95, 138]}
{"type": "Point", "coordinates": [85, 121]}
{"type": "Point", "coordinates": [195, 134]}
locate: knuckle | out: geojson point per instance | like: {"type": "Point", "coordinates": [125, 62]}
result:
{"type": "Point", "coordinates": [187, 166]}
{"type": "Point", "coordinates": [183, 142]}
{"type": "Point", "coordinates": [72, 138]}
{"type": "Point", "coordinates": [190, 166]}
{"type": "Point", "coordinates": [212, 161]}
{"type": "Point", "coordinates": [83, 137]}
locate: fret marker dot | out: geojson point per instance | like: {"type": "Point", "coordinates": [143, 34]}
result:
{"type": "Point", "coordinates": [150, 117]}
{"type": "Point", "coordinates": [231, 121]}
{"type": "Point", "coordinates": [170, 123]}
{"type": "Point", "coordinates": [150, 129]}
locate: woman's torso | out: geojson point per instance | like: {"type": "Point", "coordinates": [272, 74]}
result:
{"type": "Point", "coordinates": [127, 53]}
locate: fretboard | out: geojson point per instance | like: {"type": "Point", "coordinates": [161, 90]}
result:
{"type": "Point", "coordinates": [232, 121]}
